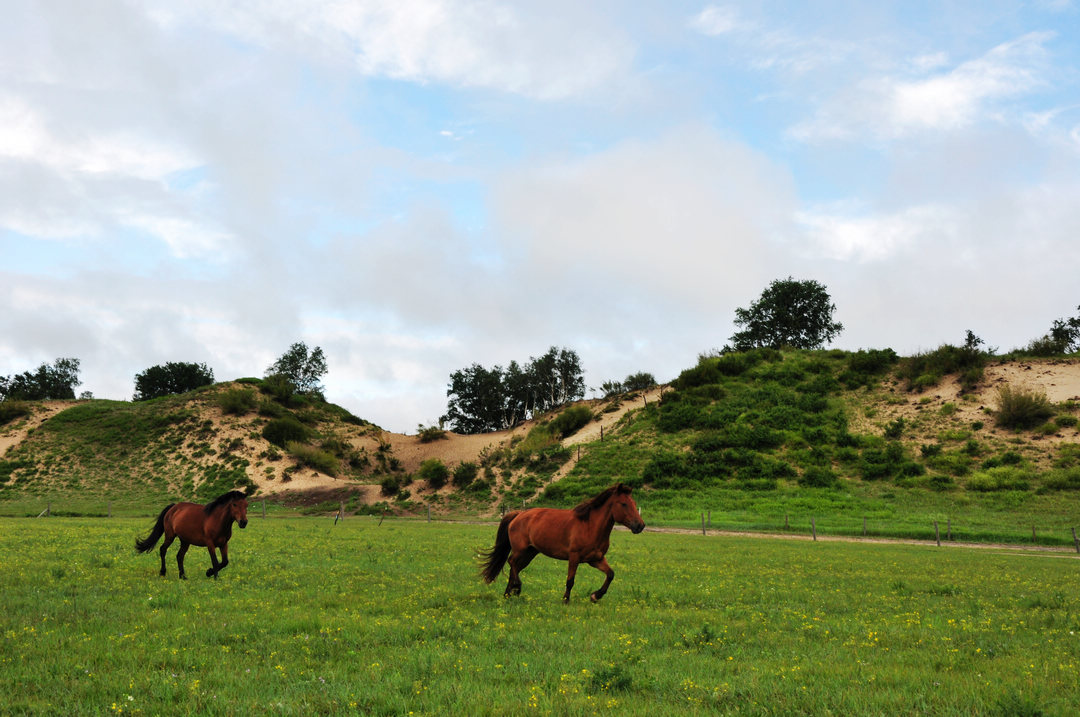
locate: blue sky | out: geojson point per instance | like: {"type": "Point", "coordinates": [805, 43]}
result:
{"type": "Point", "coordinates": [419, 185]}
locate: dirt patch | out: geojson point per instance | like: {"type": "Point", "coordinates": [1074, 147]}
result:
{"type": "Point", "coordinates": [17, 431]}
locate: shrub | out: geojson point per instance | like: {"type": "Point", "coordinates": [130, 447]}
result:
{"type": "Point", "coordinates": [817, 477]}
{"type": "Point", "coordinates": [1062, 479]}
{"type": "Point", "coordinates": [237, 401]}
{"type": "Point", "coordinates": [389, 485]}
{"type": "Point", "coordinates": [998, 479]}
{"type": "Point", "coordinates": [434, 471]}
{"type": "Point", "coordinates": [10, 410]}
{"type": "Point", "coordinates": [313, 457]}
{"type": "Point", "coordinates": [571, 420]}
{"type": "Point", "coordinates": [1022, 408]}
{"type": "Point", "coordinates": [1066, 421]}
{"type": "Point", "coordinates": [282, 430]}
{"type": "Point", "coordinates": [427, 434]}
{"type": "Point", "coordinates": [465, 474]}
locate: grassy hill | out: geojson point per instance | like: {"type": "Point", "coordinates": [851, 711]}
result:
{"type": "Point", "coordinates": [857, 442]}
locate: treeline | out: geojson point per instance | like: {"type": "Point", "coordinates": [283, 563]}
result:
{"type": "Point", "coordinates": [482, 400]}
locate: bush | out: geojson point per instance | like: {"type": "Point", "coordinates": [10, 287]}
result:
{"type": "Point", "coordinates": [10, 410]}
{"type": "Point", "coordinates": [389, 485]}
{"type": "Point", "coordinates": [429, 433]}
{"type": "Point", "coordinates": [315, 458]}
{"type": "Point", "coordinates": [282, 430]}
{"type": "Point", "coordinates": [237, 401]}
{"type": "Point", "coordinates": [434, 471]}
{"type": "Point", "coordinates": [465, 474]}
{"type": "Point", "coordinates": [817, 477]}
{"type": "Point", "coordinates": [1000, 478]}
{"type": "Point", "coordinates": [571, 420]}
{"type": "Point", "coordinates": [1022, 408]}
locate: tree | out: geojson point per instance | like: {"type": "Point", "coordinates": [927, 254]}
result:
{"type": "Point", "coordinates": [171, 378]}
{"type": "Point", "coordinates": [481, 400]}
{"type": "Point", "coordinates": [477, 400]}
{"type": "Point", "coordinates": [301, 368]}
{"type": "Point", "coordinates": [57, 381]}
{"type": "Point", "coordinates": [789, 313]}
{"type": "Point", "coordinates": [1063, 338]}
{"type": "Point", "coordinates": [639, 381]}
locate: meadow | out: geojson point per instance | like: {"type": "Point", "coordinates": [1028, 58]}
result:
{"type": "Point", "coordinates": [316, 618]}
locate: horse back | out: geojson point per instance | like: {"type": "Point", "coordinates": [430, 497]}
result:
{"type": "Point", "coordinates": [187, 521]}
{"type": "Point", "coordinates": [552, 531]}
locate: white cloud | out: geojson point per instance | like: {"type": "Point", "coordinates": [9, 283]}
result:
{"type": "Point", "coordinates": [716, 20]}
{"type": "Point", "coordinates": [553, 51]}
{"type": "Point", "coordinates": [975, 91]}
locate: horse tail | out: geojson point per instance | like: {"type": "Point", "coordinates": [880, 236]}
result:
{"type": "Point", "coordinates": [495, 558]}
{"type": "Point", "coordinates": [150, 541]}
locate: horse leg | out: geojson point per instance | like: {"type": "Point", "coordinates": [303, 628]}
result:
{"type": "Point", "coordinates": [602, 566]}
{"type": "Point", "coordinates": [184, 545]}
{"type": "Point", "coordinates": [224, 557]}
{"type": "Point", "coordinates": [212, 571]}
{"type": "Point", "coordinates": [571, 571]}
{"type": "Point", "coordinates": [164, 548]}
{"type": "Point", "coordinates": [518, 563]}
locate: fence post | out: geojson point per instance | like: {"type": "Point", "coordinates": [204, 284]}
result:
{"type": "Point", "coordinates": [48, 509]}
{"type": "Point", "coordinates": [813, 529]}
{"type": "Point", "coordinates": [864, 526]}
{"type": "Point", "coordinates": [601, 432]}
{"type": "Point", "coordinates": [1075, 541]}
{"type": "Point", "coordinates": [703, 524]}
{"type": "Point", "coordinates": [937, 535]}
{"type": "Point", "coordinates": [1033, 538]}
{"type": "Point", "coordinates": [785, 522]}
{"type": "Point", "coordinates": [264, 507]}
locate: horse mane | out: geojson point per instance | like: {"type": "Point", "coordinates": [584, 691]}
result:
{"type": "Point", "coordinates": [583, 509]}
{"type": "Point", "coordinates": [223, 499]}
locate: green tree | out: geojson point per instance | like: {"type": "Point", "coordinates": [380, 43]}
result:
{"type": "Point", "coordinates": [481, 400]}
{"type": "Point", "coordinates": [789, 313]}
{"type": "Point", "coordinates": [171, 378]}
{"type": "Point", "coordinates": [302, 368]}
{"type": "Point", "coordinates": [477, 400]}
{"type": "Point", "coordinates": [57, 381]}
{"type": "Point", "coordinates": [639, 381]}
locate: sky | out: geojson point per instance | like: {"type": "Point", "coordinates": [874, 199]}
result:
{"type": "Point", "coordinates": [416, 186]}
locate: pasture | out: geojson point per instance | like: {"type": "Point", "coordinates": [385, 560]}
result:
{"type": "Point", "coordinates": [316, 618]}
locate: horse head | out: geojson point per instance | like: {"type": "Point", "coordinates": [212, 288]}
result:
{"type": "Point", "coordinates": [238, 510]}
{"type": "Point", "coordinates": [624, 509]}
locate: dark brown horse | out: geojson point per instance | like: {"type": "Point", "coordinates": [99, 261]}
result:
{"type": "Point", "coordinates": [208, 526]}
{"type": "Point", "coordinates": [580, 535]}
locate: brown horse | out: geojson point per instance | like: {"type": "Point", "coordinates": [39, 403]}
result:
{"type": "Point", "coordinates": [208, 526]}
{"type": "Point", "coordinates": [580, 535]}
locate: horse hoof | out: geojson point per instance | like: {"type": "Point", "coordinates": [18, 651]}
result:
{"type": "Point", "coordinates": [595, 597]}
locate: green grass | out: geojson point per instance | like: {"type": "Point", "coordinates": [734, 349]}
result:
{"type": "Point", "coordinates": [313, 618]}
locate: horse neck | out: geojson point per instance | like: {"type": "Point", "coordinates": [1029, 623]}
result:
{"type": "Point", "coordinates": [220, 517]}
{"type": "Point", "coordinates": [601, 520]}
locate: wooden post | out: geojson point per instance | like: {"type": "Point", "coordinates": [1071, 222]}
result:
{"type": "Point", "coordinates": [381, 516]}
{"type": "Point", "coordinates": [703, 524]}
{"type": "Point", "coordinates": [264, 507]}
{"type": "Point", "coordinates": [601, 432]}
{"type": "Point", "coordinates": [864, 526]}
{"type": "Point", "coordinates": [937, 535]}
{"type": "Point", "coordinates": [785, 522]}
{"type": "Point", "coordinates": [1033, 538]}
{"type": "Point", "coordinates": [1075, 541]}
{"type": "Point", "coordinates": [813, 529]}
{"type": "Point", "coordinates": [48, 509]}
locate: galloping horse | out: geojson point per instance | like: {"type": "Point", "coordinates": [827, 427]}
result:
{"type": "Point", "coordinates": [208, 526]}
{"type": "Point", "coordinates": [580, 535]}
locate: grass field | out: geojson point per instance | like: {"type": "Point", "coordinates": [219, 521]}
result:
{"type": "Point", "coordinates": [316, 618]}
